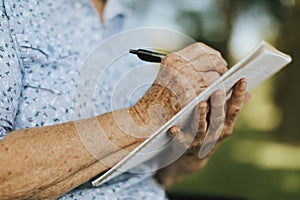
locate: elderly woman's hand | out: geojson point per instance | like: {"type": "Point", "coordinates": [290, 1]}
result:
{"type": "Point", "coordinates": [188, 72]}
{"type": "Point", "coordinates": [202, 120]}
{"type": "Point", "coordinates": [182, 76]}
{"type": "Point", "coordinates": [197, 132]}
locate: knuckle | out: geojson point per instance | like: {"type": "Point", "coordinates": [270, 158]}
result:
{"type": "Point", "coordinates": [218, 53]}
{"type": "Point", "coordinates": [200, 44]}
{"type": "Point", "coordinates": [202, 127]}
{"type": "Point", "coordinates": [219, 60]}
{"type": "Point", "coordinates": [214, 75]}
{"type": "Point", "coordinates": [207, 50]}
{"type": "Point", "coordinates": [218, 99]}
{"type": "Point", "coordinates": [173, 59]}
{"type": "Point", "coordinates": [222, 62]}
{"type": "Point", "coordinates": [210, 77]}
{"type": "Point", "coordinates": [203, 45]}
{"type": "Point", "coordinates": [216, 122]}
{"type": "Point", "coordinates": [231, 117]}
{"type": "Point", "coordinates": [203, 113]}
{"type": "Point", "coordinates": [219, 120]}
{"type": "Point", "coordinates": [166, 60]}
{"type": "Point", "coordinates": [202, 105]}
{"type": "Point", "coordinates": [234, 113]}
{"type": "Point", "coordinates": [219, 94]}
{"type": "Point", "coordinates": [238, 101]}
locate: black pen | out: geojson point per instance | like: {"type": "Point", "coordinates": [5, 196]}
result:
{"type": "Point", "coordinates": [147, 55]}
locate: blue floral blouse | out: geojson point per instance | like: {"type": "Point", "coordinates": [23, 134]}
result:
{"type": "Point", "coordinates": [42, 46]}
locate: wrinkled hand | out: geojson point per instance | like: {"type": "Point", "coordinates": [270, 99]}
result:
{"type": "Point", "coordinates": [190, 71]}
{"type": "Point", "coordinates": [202, 120]}
{"type": "Point", "coordinates": [182, 76]}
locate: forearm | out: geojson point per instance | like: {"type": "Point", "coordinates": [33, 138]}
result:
{"type": "Point", "coordinates": [49, 161]}
{"type": "Point", "coordinates": [35, 159]}
{"type": "Point", "coordinates": [81, 176]}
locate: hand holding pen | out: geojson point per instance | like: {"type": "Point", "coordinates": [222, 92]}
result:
{"type": "Point", "coordinates": [213, 67]}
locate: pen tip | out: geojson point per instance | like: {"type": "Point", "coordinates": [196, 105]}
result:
{"type": "Point", "coordinates": [133, 51]}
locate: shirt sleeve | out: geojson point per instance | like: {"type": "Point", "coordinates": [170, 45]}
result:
{"type": "Point", "coordinates": [10, 74]}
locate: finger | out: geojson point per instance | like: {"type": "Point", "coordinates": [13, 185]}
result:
{"type": "Point", "coordinates": [218, 101]}
{"type": "Point", "coordinates": [203, 107]}
{"type": "Point", "coordinates": [216, 124]}
{"type": "Point", "coordinates": [199, 123]}
{"type": "Point", "coordinates": [198, 128]}
{"type": "Point", "coordinates": [234, 105]}
{"type": "Point", "coordinates": [183, 137]}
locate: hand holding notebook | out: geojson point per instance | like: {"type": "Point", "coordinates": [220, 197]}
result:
{"type": "Point", "coordinates": [262, 63]}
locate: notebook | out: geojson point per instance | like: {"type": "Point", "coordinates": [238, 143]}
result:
{"type": "Point", "coordinates": [260, 64]}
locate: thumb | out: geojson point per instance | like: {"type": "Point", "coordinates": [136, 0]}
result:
{"type": "Point", "coordinates": [180, 136]}
{"type": "Point", "coordinates": [173, 131]}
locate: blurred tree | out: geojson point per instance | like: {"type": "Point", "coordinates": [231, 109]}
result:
{"type": "Point", "coordinates": [213, 27]}
{"type": "Point", "coordinates": [213, 22]}
{"type": "Point", "coordinates": [287, 14]}
{"type": "Point", "coordinates": [287, 94]}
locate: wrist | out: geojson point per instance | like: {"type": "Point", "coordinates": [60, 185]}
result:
{"type": "Point", "coordinates": [156, 107]}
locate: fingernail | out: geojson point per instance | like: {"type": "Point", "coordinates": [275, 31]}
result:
{"type": "Point", "coordinates": [174, 130]}
{"type": "Point", "coordinates": [243, 84]}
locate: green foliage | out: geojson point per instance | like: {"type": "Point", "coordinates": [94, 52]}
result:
{"type": "Point", "coordinates": [234, 171]}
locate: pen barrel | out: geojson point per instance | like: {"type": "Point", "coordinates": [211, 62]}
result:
{"type": "Point", "coordinates": [147, 55]}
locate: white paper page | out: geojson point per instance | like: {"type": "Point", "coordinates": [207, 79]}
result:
{"type": "Point", "coordinates": [259, 65]}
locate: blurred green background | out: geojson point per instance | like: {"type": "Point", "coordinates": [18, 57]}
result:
{"type": "Point", "coordinates": [262, 159]}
